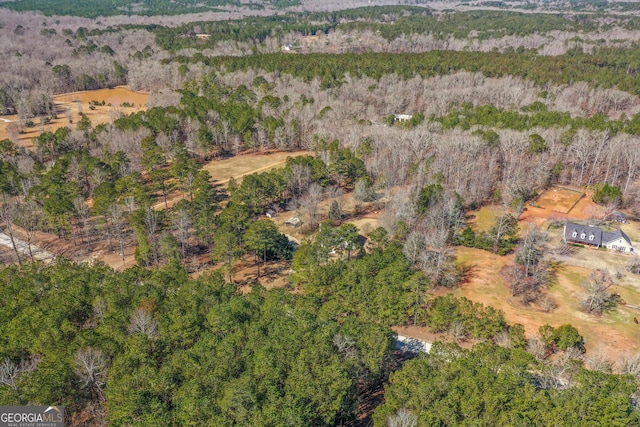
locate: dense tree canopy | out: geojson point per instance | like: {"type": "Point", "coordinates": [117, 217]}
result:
{"type": "Point", "coordinates": [499, 387]}
{"type": "Point", "coordinates": [167, 349]}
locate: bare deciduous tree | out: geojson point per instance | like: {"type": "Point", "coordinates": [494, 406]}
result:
{"type": "Point", "coordinates": [182, 227]}
{"type": "Point", "coordinates": [117, 219]}
{"type": "Point", "coordinates": [547, 304]}
{"type": "Point", "coordinates": [91, 368]}
{"type": "Point", "coordinates": [152, 228]}
{"type": "Point", "coordinates": [597, 360]}
{"type": "Point", "coordinates": [82, 214]}
{"type": "Point", "coordinates": [597, 299]}
{"type": "Point", "coordinates": [142, 322]}
{"type": "Point", "coordinates": [413, 246]}
{"type": "Point", "coordinates": [537, 347]}
{"type": "Point", "coordinates": [8, 215]}
{"type": "Point", "coordinates": [458, 331]}
{"type": "Point", "coordinates": [311, 202]}
{"type": "Point", "coordinates": [346, 346]}
{"type": "Point", "coordinates": [630, 365]}
{"type": "Point", "coordinates": [29, 217]}
{"type": "Point", "coordinates": [10, 371]}
{"type": "Point", "coordinates": [403, 418]}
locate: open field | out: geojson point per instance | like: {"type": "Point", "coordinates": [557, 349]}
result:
{"type": "Point", "coordinates": [238, 166]}
{"type": "Point", "coordinates": [559, 199]}
{"type": "Point", "coordinates": [482, 219]}
{"type": "Point", "coordinates": [70, 105]}
{"type": "Point", "coordinates": [614, 332]}
{"type": "Point", "coordinates": [116, 97]}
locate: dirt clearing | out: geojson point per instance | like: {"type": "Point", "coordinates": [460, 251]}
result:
{"type": "Point", "coordinates": [560, 203]}
{"type": "Point", "coordinates": [559, 199]}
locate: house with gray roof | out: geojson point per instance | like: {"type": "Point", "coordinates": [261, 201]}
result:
{"type": "Point", "coordinates": [594, 236]}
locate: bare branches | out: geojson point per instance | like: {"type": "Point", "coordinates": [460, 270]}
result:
{"type": "Point", "coordinates": [597, 360]}
{"type": "Point", "coordinates": [10, 371]}
{"type": "Point", "coordinates": [91, 369]}
{"type": "Point", "coordinates": [403, 418]}
{"type": "Point", "coordinates": [597, 299]}
{"type": "Point", "coordinates": [311, 202]}
{"type": "Point", "coordinates": [142, 322]}
{"type": "Point", "coordinates": [182, 226]}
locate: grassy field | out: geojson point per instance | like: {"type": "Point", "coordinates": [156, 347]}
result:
{"type": "Point", "coordinates": [70, 105]}
{"type": "Point", "coordinates": [615, 332]}
{"type": "Point", "coordinates": [483, 218]}
{"type": "Point", "coordinates": [237, 167]}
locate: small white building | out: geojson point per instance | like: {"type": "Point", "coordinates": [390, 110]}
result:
{"type": "Point", "coordinates": [402, 117]}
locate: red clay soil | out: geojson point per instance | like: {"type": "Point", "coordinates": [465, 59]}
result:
{"type": "Point", "coordinates": [584, 209]}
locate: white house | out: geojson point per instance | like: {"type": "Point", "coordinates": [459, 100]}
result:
{"type": "Point", "coordinates": [617, 241]}
{"type": "Point", "coordinates": [594, 236]}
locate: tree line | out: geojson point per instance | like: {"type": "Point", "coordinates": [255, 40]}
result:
{"type": "Point", "coordinates": [607, 67]}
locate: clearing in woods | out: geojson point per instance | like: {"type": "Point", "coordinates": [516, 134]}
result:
{"type": "Point", "coordinates": [614, 332]}
{"type": "Point", "coordinates": [68, 106]}
{"type": "Point", "coordinates": [237, 167]}
{"type": "Point", "coordinates": [558, 199]}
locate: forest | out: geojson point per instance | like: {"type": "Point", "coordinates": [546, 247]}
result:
{"type": "Point", "coordinates": [305, 183]}
{"type": "Point", "coordinates": [127, 7]}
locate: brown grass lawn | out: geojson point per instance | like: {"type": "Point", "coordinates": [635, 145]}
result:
{"type": "Point", "coordinates": [237, 167]}
{"type": "Point", "coordinates": [632, 230]}
{"type": "Point", "coordinates": [483, 218]}
{"type": "Point", "coordinates": [76, 102]}
{"type": "Point", "coordinates": [614, 332]}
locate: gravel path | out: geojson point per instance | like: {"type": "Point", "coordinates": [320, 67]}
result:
{"type": "Point", "coordinates": [23, 248]}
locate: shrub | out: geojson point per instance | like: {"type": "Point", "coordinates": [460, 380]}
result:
{"type": "Point", "coordinates": [605, 194]}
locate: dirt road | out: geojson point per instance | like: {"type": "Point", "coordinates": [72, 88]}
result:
{"type": "Point", "coordinates": [23, 248]}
